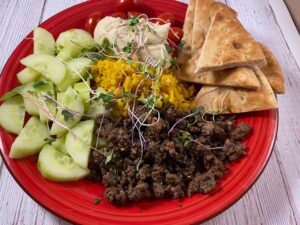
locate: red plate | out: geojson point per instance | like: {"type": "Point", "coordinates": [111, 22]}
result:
{"type": "Point", "coordinates": [74, 201]}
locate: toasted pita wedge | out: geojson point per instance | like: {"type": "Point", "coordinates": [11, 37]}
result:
{"type": "Point", "coordinates": [205, 10]}
{"type": "Point", "coordinates": [273, 71]}
{"type": "Point", "coordinates": [236, 77]}
{"type": "Point", "coordinates": [229, 45]}
{"type": "Point", "coordinates": [185, 54]}
{"type": "Point", "coordinates": [238, 100]}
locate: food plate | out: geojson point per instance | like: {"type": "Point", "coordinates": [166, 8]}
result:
{"type": "Point", "coordinates": [74, 201]}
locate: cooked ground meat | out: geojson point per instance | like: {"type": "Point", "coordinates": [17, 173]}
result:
{"type": "Point", "coordinates": [175, 163]}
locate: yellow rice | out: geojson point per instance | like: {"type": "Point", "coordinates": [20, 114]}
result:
{"type": "Point", "coordinates": [117, 76]}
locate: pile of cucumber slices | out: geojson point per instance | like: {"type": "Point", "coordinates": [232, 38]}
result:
{"type": "Point", "coordinates": [55, 91]}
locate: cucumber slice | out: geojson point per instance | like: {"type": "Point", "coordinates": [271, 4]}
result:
{"type": "Point", "coordinates": [97, 107]}
{"type": "Point", "coordinates": [84, 91]}
{"type": "Point", "coordinates": [59, 144]}
{"type": "Point", "coordinates": [49, 66]}
{"type": "Point", "coordinates": [79, 146]}
{"type": "Point", "coordinates": [77, 36]}
{"type": "Point", "coordinates": [59, 167]}
{"type": "Point", "coordinates": [72, 102]}
{"type": "Point", "coordinates": [30, 140]}
{"type": "Point", "coordinates": [69, 51]}
{"type": "Point", "coordinates": [51, 106]}
{"type": "Point", "coordinates": [28, 75]}
{"type": "Point", "coordinates": [76, 70]}
{"type": "Point", "coordinates": [29, 96]}
{"type": "Point", "coordinates": [12, 114]}
{"type": "Point", "coordinates": [44, 42]}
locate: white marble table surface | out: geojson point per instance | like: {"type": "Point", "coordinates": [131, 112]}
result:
{"type": "Point", "coordinates": [273, 200]}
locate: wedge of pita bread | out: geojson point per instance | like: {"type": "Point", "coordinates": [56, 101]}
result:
{"type": "Point", "coordinates": [228, 45]}
{"type": "Point", "coordinates": [273, 71]}
{"type": "Point", "coordinates": [243, 77]}
{"type": "Point", "coordinates": [238, 100]}
{"type": "Point", "coordinates": [185, 53]}
{"type": "Point", "coordinates": [205, 10]}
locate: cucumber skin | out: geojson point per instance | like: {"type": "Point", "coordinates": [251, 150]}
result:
{"type": "Point", "coordinates": [58, 167]}
{"type": "Point", "coordinates": [30, 140]}
{"type": "Point", "coordinates": [79, 148]}
{"type": "Point", "coordinates": [12, 107]}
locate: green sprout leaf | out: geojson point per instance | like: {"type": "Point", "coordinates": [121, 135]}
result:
{"type": "Point", "coordinates": [128, 48]}
{"type": "Point", "coordinates": [40, 84]}
{"type": "Point", "coordinates": [128, 94]}
{"type": "Point", "coordinates": [96, 201]}
{"type": "Point", "coordinates": [49, 140]}
{"type": "Point", "coordinates": [185, 137]}
{"type": "Point", "coordinates": [67, 115]}
{"type": "Point", "coordinates": [12, 93]}
{"type": "Point", "coordinates": [169, 49]}
{"type": "Point", "coordinates": [109, 156]}
{"type": "Point", "coordinates": [106, 97]}
{"type": "Point", "coordinates": [133, 21]}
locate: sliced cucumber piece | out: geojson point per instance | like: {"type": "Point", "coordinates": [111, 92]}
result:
{"type": "Point", "coordinates": [49, 66]}
{"type": "Point", "coordinates": [44, 42]}
{"type": "Point", "coordinates": [79, 140]}
{"type": "Point", "coordinates": [47, 89]}
{"type": "Point", "coordinates": [72, 103]}
{"type": "Point", "coordinates": [76, 70]}
{"type": "Point", "coordinates": [69, 51]}
{"type": "Point", "coordinates": [59, 144]}
{"type": "Point", "coordinates": [59, 167]}
{"type": "Point", "coordinates": [30, 99]}
{"type": "Point", "coordinates": [12, 114]}
{"type": "Point", "coordinates": [77, 36]}
{"type": "Point", "coordinates": [28, 75]}
{"type": "Point", "coordinates": [83, 90]}
{"type": "Point", "coordinates": [97, 107]}
{"type": "Point", "coordinates": [30, 140]}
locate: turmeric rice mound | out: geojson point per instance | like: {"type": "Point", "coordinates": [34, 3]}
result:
{"type": "Point", "coordinates": [117, 76]}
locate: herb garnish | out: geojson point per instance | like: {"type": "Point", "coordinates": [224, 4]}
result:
{"type": "Point", "coordinates": [169, 49]}
{"type": "Point", "coordinates": [133, 21]}
{"type": "Point", "coordinates": [185, 137]}
{"type": "Point", "coordinates": [109, 156]}
{"type": "Point", "coordinates": [96, 201]}
{"type": "Point", "coordinates": [67, 115]}
{"type": "Point", "coordinates": [40, 84]}
{"type": "Point", "coordinates": [128, 48]}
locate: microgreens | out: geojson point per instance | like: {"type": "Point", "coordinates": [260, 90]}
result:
{"type": "Point", "coordinates": [106, 97]}
{"type": "Point", "coordinates": [49, 140]}
{"type": "Point", "coordinates": [40, 84]}
{"type": "Point", "coordinates": [128, 94]}
{"type": "Point", "coordinates": [67, 115]}
{"type": "Point", "coordinates": [169, 49]}
{"type": "Point", "coordinates": [128, 48]}
{"type": "Point", "coordinates": [109, 156]}
{"type": "Point", "coordinates": [133, 21]}
{"type": "Point", "coordinates": [185, 137]}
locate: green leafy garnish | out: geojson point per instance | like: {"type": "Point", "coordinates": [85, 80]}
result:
{"type": "Point", "coordinates": [106, 97]}
{"type": "Point", "coordinates": [12, 93]}
{"type": "Point", "coordinates": [174, 62]}
{"type": "Point", "coordinates": [169, 49]}
{"type": "Point", "coordinates": [49, 140]}
{"type": "Point", "coordinates": [96, 201]}
{"type": "Point", "coordinates": [67, 115]}
{"type": "Point", "coordinates": [109, 156]}
{"type": "Point", "coordinates": [128, 48]}
{"type": "Point", "coordinates": [128, 94]}
{"type": "Point", "coordinates": [40, 84]}
{"type": "Point", "coordinates": [133, 21]}
{"type": "Point", "coordinates": [150, 102]}
{"type": "Point", "coordinates": [184, 138]}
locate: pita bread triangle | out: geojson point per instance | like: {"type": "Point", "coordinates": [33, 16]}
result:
{"type": "Point", "coordinates": [273, 71]}
{"type": "Point", "coordinates": [243, 77]}
{"type": "Point", "coordinates": [205, 10]}
{"type": "Point", "coordinates": [185, 54]}
{"type": "Point", "coordinates": [238, 100]}
{"type": "Point", "coordinates": [228, 45]}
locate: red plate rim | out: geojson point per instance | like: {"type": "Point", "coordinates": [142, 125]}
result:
{"type": "Point", "coordinates": [273, 113]}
